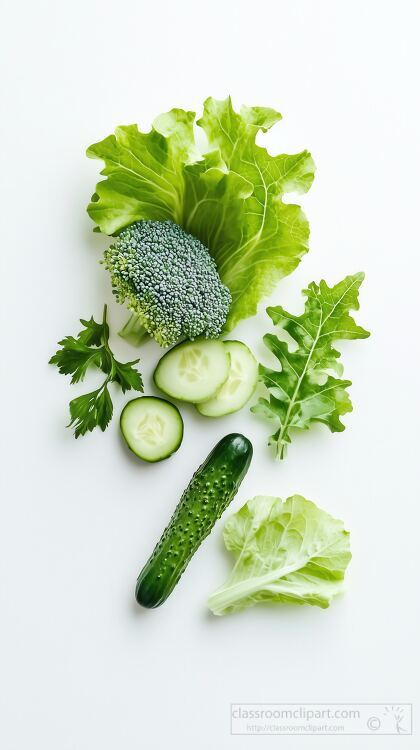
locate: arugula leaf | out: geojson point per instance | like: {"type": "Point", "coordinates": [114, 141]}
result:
{"type": "Point", "coordinates": [303, 391]}
{"type": "Point", "coordinates": [287, 551]}
{"type": "Point", "coordinates": [230, 198]}
{"type": "Point", "coordinates": [91, 348]}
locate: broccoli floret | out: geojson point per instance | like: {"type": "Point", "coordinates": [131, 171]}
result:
{"type": "Point", "coordinates": [169, 281]}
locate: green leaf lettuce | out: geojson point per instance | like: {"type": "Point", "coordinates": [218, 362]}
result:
{"type": "Point", "coordinates": [230, 197]}
{"type": "Point", "coordinates": [286, 552]}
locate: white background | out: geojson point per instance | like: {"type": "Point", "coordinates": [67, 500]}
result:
{"type": "Point", "coordinates": [82, 666]}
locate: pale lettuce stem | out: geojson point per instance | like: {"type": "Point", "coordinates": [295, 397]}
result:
{"type": "Point", "coordinates": [227, 596]}
{"type": "Point", "coordinates": [233, 591]}
{"type": "Point", "coordinates": [133, 331]}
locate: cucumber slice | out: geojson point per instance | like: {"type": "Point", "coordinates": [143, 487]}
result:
{"type": "Point", "coordinates": [240, 383]}
{"type": "Point", "coordinates": [193, 371]}
{"type": "Point", "coordinates": [152, 427]}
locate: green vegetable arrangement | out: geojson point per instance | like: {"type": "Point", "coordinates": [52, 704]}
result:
{"type": "Point", "coordinates": [230, 197]}
{"type": "Point", "coordinates": [199, 237]}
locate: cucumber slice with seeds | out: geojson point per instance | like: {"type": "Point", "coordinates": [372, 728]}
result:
{"type": "Point", "coordinates": [194, 370]}
{"type": "Point", "coordinates": [152, 427]}
{"type": "Point", "coordinates": [240, 383]}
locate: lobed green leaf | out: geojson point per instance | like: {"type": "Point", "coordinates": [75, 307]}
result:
{"type": "Point", "coordinates": [303, 391]}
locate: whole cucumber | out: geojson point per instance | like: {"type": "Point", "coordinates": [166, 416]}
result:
{"type": "Point", "coordinates": [210, 491]}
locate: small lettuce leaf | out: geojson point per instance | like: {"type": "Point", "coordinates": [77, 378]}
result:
{"type": "Point", "coordinates": [230, 197]}
{"type": "Point", "coordinates": [304, 390]}
{"type": "Point", "coordinates": [287, 551]}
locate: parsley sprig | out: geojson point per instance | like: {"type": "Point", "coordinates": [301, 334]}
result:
{"type": "Point", "coordinates": [91, 348]}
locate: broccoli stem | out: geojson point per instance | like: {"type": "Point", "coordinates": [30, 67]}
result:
{"type": "Point", "coordinates": [134, 332]}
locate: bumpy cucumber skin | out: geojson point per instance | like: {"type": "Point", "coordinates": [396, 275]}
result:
{"type": "Point", "coordinates": [210, 491]}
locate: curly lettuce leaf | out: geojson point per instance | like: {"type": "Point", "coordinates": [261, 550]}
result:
{"type": "Point", "coordinates": [304, 391]}
{"type": "Point", "coordinates": [231, 197]}
{"type": "Point", "coordinates": [144, 172]}
{"type": "Point", "coordinates": [286, 552]}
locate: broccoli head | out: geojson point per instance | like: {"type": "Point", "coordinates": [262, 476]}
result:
{"type": "Point", "coordinates": [169, 281]}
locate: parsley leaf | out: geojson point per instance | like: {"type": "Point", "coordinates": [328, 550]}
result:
{"type": "Point", "coordinates": [92, 335]}
{"type": "Point", "coordinates": [91, 410]}
{"type": "Point", "coordinates": [126, 376]}
{"type": "Point", "coordinates": [91, 348]}
{"type": "Point", "coordinates": [75, 358]}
